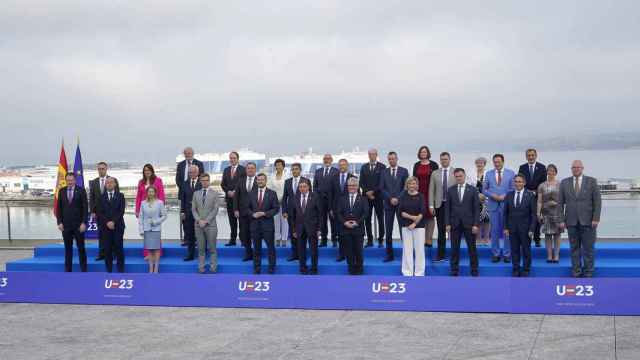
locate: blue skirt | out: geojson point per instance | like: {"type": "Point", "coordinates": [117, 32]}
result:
{"type": "Point", "coordinates": [152, 240]}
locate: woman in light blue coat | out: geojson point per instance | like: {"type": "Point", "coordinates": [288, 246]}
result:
{"type": "Point", "coordinates": [152, 215]}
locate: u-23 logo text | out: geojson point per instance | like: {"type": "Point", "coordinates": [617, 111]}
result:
{"type": "Point", "coordinates": [118, 284]}
{"type": "Point", "coordinates": [389, 287]}
{"type": "Point", "coordinates": [575, 290]}
{"type": "Point", "coordinates": [4, 282]}
{"type": "Point", "coordinates": [254, 286]}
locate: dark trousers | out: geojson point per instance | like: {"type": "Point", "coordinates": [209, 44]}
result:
{"type": "Point", "coordinates": [456, 234]}
{"type": "Point", "coordinates": [303, 239]}
{"type": "Point", "coordinates": [188, 226]}
{"type": "Point", "coordinates": [339, 239]}
{"type": "Point", "coordinates": [114, 244]}
{"type": "Point", "coordinates": [520, 248]}
{"type": "Point", "coordinates": [442, 232]}
{"type": "Point", "coordinates": [536, 231]}
{"type": "Point", "coordinates": [390, 214]}
{"type": "Point", "coordinates": [352, 241]}
{"type": "Point", "coordinates": [325, 207]}
{"type": "Point", "coordinates": [582, 239]}
{"type": "Point", "coordinates": [294, 240]}
{"type": "Point", "coordinates": [101, 240]}
{"type": "Point", "coordinates": [68, 236]}
{"type": "Point", "coordinates": [259, 232]}
{"type": "Point", "coordinates": [233, 223]}
{"type": "Point", "coordinates": [375, 204]}
{"type": "Point", "coordinates": [245, 234]}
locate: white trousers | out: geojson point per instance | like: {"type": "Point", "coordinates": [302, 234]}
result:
{"type": "Point", "coordinates": [412, 241]}
{"type": "Point", "coordinates": [281, 227]}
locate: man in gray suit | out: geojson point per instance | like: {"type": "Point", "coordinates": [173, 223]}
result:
{"type": "Point", "coordinates": [581, 204]}
{"type": "Point", "coordinates": [205, 208]}
{"type": "Point", "coordinates": [441, 180]}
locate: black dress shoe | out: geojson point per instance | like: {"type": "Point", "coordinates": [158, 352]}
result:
{"type": "Point", "coordinates": [183, 243]}
{"type": "Point", "coordinates": [189, 258]}
{"type": "Point", "coordinates": [340, 258]}
{"type": "Point", "coordinates": [515, 273]}
{"type": "Point", "coordinates": [230, 243]}
{"type": "Point", "coordinates": [292, 258]}
{"type": "Point", "coordinates": [256, 271]}
{"type": "Point", "coordinates": [475, 273]}
{"type": "Point", "coordinates": [495, 259]}
{"type": "Point", "coordinates": [428, 246]}
{"type": "Point", "coordinates": [537, 241]}
{"type": "Point", "coordinates": [369, 244]}
{"type": "Point", "coordinates": [313, 272]}
{"type": "Point", "coordinates": [272, 270]}
{"type": "Point", "coordinates": [524, 273]}
{"type": "Point", "coordinates": [380, 245]}
{"type": "Point", "coordinates": [454, 273]}
{"type": "Point", "coordinates": [549, 261]}
{"type": "Point", "coordinates": [388, 258]}
{"type": "Point", "coordinates": [334, 244]}
{"type": "Point", "coordinates": [304, 271]}
{"type": "Point", "coordinates": [507, 259]}
{"type": "Point", "coordinates": [323, 243]}
{"type": "Point", "coordinates": [247, 258]}
{"type": "Point", "coordinates": [99, 258]}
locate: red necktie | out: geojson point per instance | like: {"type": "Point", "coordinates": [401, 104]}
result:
{"type": "Point", "coordinates": [260, 200]}
{"type": "Point", "coordinates": [304, 202]}
{"type": "Point", "coordinates": [499, 177]}
{"type": "Point", "coordinates": [233, 172]}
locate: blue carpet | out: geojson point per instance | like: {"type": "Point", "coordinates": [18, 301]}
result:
{"type": "Point", "coordinates": [612, 260]}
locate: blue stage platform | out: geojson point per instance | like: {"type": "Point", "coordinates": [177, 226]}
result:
{"type": "Point", "coordinates": [612, 260]}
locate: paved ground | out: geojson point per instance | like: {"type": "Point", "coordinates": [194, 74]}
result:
{"type": "Point", "coordinates": [31, 331]}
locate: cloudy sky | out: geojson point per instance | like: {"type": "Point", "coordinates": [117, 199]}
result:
{"type": "Point", "coordinates": [138, 80]}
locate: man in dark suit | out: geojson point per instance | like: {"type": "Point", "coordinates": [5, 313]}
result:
{"type": "Point", "coordinates": [535, 174]}
{"type": "Point", "coordinates": [462, 217]}
{"type": "Point", "coordinates": [185, 194]}
{"type": "Point", "coordinates": [305, 213]}
{"type": "Point", "coordinates": [339, 185]}
{"type": "Point", "coordinates": [96, 189]}
{"type": "Point", "coordinates": [111, 214]}
{"type": "Point", "coordinates": [581, 204]}
{"type": "Point", "coordinates": [182, 170]}
{"type": "Point", "coordinates": [323, 186]}
{"type": "Point", "coordinates": [263, 205]}
{"type": "Point", "coordinates": [519, 223]}
{"type": "Point", "coordinates": [71, 216]}
{"type": "Point", "coordinates": [290, 192]}
{"type": "Point", "coordinates": [244, 187]}
{"type": "Point", "coordinates": [231, 175]}
{"type": "Point", "coordinates": [391, 187]}
{"type": "Point", "coordinates": [369, 181]}
{"type": "Point", "coordinates": [351, 213]}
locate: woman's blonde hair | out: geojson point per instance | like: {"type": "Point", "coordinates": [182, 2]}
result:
{"type": "Point", "coordinates": [410, 179]}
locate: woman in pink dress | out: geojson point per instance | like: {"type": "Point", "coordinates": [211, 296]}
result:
{"type": "Point", "coordinates": [423, 170]}
{"type": "Point", "coordinates": [149, 178]}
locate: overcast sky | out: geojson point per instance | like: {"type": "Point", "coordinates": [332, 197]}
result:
{"type": "Point", "coordinates": [138, 80]}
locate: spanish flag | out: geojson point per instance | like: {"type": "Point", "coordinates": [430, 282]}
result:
{"type": "Point", "coordinates": [61, 181]}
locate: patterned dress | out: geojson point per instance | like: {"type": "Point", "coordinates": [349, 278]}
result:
{"type": "Point", "coordinates": [550, 210]}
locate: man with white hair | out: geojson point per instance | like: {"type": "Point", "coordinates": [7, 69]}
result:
{"type": "Point", "coordinates": [351, 213]}
{"type": "Point", "coordinates": [182, 175]}
{"type": "Point", "coordinates": [188, 188]}
{"type": "Point", "coordinates": [370, 174]}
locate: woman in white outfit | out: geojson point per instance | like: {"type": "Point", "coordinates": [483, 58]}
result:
{"type": "Point", "coordinates": [276, 183]}
{"type": "Point", "coordinates": [412, 208]}
{"type": "Point", "coordinates": [152, 215]}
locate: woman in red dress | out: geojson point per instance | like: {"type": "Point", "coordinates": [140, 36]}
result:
{"type": "Point", "coordinates": [423, 170]}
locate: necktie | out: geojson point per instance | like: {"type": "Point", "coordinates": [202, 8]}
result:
{"type": "Point", "coordinates": [577, 185]}
{"type": "Point", "coordinates": [204, 196]}
{"type": "Point", "coordinates": [260, 199]}
{"type": "Point", "coordinates": [110, 196]}
{"type": "Point", "coordinates": [351, 202]}
{"type": "Point", "coordinates": [233, 172]}
{"type": "Point", "coordinates": [102, 185]}
{"type": "Point", "coordinates": [304, 202]}
{"type": "Point", "coordinates": [518, 199]}
{"type": "Point", "coordinates": [186, 169]}
{"type": "Point", "coordinates": [193, 185]}
{"type": "Point", "coordinates": [295, 186]}
{"type": "Point", "coordinates": [342, 181]}
{"type": "Point", "coordinates": [371, 167]}
{"type": "Point", "coordinates": [531, 171]}
{"type": "Point", "coordinates": [499, 177]}
{"type": "Point", "coordinates": [70, 195]}
{"type": "Point", "coordinates": [444, 183]}
{"type": "Point", "coordinates": [249, 184]}
{"type": "Point", "coordinates": [326, 171]}
{"type": "Point", "coordinates": [393, 173]}
{"type": "Point", "coordinates": [460, 192]}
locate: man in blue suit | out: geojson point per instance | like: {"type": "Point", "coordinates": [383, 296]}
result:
{"type": "Point", "coordinates": [391, 187]}
{"type": "Point", "coordinates": [110, 211]}
{"type": "Point", "coordinates": [520, 223]}
{"type": "Point", "coordinates": [351, 213]}
{"type": "Point", "coordinates": [290, 191]}
{"type": "Point", "coordinates": [369, 181]}
{"type": "Point", "coordinates": [185, 194]}
{"type": "Point", "coordinates": [497, 183]}
{"type": "Point", "coordinates": [339, 185]}
{"type": "Point", "coordinates": [182, 169]}
{"type": "Point", "coordinates": [535, 174]}
{"type": "Point", "coordinates": [263, 205]}
{"type": "Point", "coordinates": [322, 185]}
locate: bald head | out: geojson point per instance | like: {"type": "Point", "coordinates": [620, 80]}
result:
{"type": "Point", "coordinates": [194, 171]}
{"type": "Point", "coordinates": [577, 167]}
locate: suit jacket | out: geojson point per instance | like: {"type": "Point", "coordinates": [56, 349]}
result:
{"type": "Point", "coordinates": [491, 187]}
{"type": "Point", "coordinates": [180, 170]}
{"type": "Point", "coordinates": [436, 192]}
{"type": "Point", "coordinates": [583, 207]}
{"type": "Point", "coordinates": [289, 193]}
{"type": "Point", "coordinates": [370, 181]}
{"type": "Point", "coordinates": [465, 213]}
{"type": "Point", "coordinates": [523, 217]}
{"type": "Point", "coordinates": [185, 194]}
{"type": "Point", "coordinates": [270, 207]}
{"type": "Point", "coordinates": [391, 187]}
{"type": "Point", "coordinates": [539, 175]}
{"type": "Point", "coordinates": [230, 183]}
{"type": "Point", "coordinates": [357, 213]}
{"type": "Point", "coordinates": [72, 214]}
{"type": "Point", "coordinates": [207, 210]}
{"type": "Point", "coordinates": [338, 191]}
{"type": "Point", "coordinates": [309, 219]}
{"type": "Point", "coordinates": [95, 194]}
{"type": "Point", "coordinates": [323, 185]}
{"type": "Point", "coordinates": [111, 210]}
{"type": "Point", "coordinates": [241, 199]}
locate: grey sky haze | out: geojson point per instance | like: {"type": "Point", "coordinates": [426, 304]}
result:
{"type": "Point", "coordinates": [138, 80]}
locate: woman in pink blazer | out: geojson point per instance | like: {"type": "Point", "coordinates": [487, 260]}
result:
{"type": "Point", "coordinates": [149, 178]}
